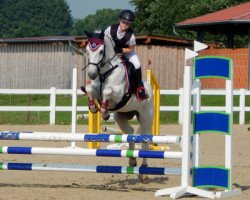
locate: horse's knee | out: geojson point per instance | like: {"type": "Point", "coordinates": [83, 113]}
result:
{"type": "Point", "coordinates": [92, 106]}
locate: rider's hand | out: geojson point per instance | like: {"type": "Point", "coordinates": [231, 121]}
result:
{"type": "Point", "coordinates": [118, 50]}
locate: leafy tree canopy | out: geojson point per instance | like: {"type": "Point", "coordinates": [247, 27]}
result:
{"type": "Point", "coordinates": [100, 20]}
{"type": "Point", "coordinates": [27, 18]}
{"type": "Point", "coordinates": [158, 17]}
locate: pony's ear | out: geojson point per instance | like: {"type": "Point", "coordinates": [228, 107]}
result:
{"type": "Point", "coordinates": [101, 36]}
{"type": "Point", "coordinates": [89, 34]}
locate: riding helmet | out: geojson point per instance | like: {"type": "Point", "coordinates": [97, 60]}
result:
{"type": "Point", "coordinates": [127, 15]}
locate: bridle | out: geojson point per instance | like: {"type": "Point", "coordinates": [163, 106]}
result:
{"type": "Point", "coordinates": [94, 44]}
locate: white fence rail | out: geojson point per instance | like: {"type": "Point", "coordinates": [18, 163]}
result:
{"type": "Point", "coordinates": [52, 108]}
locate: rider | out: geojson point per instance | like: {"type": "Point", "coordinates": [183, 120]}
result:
{"type": "Point", "coordinates": [125, 43]}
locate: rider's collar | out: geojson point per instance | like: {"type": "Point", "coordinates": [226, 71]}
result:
{"type": "Point", "coordinates": [94, 43]}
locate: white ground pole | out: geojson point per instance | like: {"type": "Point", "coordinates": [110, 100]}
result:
{"type": "Point", "coordinates": [74, 104]}
{"type": "Point", "coordinates": [185, 187]}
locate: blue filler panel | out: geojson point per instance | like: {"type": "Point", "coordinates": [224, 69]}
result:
{"type": "Point", "coordinates": [211, 177]}
{"type": "Point", "coordinates": [212, 121]}
{"type": "Point", "coordinates": [205, 67]}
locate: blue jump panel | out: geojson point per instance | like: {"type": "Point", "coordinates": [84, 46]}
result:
{"type": "Point", "coordinates": [212, 121]}
{"type": "Point", "coordinates": [211, 177]}
{"type": "Point", "coordinates": [209, 66]}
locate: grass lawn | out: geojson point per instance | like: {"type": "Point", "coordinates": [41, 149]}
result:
{"type": "Point", "coordinates": [65, 100]}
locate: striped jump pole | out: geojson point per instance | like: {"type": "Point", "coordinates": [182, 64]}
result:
{"type": "Point", "coordinates": [90, 152]}
{"type": "Point", "coordinates": [152, 146]}
{"type": "Point", "coordinates": [89, 168]}
{"type": "Point", "coordinates": [46, 136]}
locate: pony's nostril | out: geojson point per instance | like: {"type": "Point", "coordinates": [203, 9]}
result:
{"type": "Point", "coordinates": [92, 76]}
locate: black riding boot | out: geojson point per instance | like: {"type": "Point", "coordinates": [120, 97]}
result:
{"type": "Point", "coordinates": [141, 92]}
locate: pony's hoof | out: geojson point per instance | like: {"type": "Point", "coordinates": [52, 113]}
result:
{"type": "Point", "coordinates": [93, 109]}
{"type": "Point", "coordinates": [143, 177]}
{"type": "Point", "coordinates": [106, 117]}
{"type": "Point", "coordinates": [92, 106]}
{"type": "Point", "coordinates": [105, 113]}
{"type": "Point", "coordinates": [79, 117]}
{"type": "Point", "coordinates": [83, 89]}
{"type": "Point", "coordinates": [132, 162]}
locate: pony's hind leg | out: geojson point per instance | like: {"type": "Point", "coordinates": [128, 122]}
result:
{"type": "Point", "coordinates": [122, 121]}
{"type": "Point", "coordinates": [145, 120]}
{"type": "Point", "coordinates": [144, 128]}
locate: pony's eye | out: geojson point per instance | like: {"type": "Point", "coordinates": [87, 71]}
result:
{"type": "Point", "coordinates": [101, 52]}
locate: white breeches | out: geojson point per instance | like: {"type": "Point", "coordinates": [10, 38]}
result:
{"type": "Point", "coordinates": [133, 58]}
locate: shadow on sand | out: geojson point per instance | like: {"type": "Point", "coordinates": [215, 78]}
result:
{"type": "Point", "coordinates": [113, 185]}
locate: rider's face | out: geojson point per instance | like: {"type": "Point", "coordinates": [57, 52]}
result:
{"type": "Point", "coordinates": [124, 25]}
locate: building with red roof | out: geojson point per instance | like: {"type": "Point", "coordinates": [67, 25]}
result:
{"type": "Point", "coordinates": [230, 22]}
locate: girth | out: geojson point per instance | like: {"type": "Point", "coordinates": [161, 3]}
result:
{"type": "Point", "coordinates": [123, 102]}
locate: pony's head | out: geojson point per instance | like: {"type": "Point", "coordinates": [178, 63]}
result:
{"type": "Point", "coordinates": [95, 52]}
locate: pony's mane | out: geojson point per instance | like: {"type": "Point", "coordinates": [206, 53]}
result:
{"type": "Point", "coordinates": [108, 38]}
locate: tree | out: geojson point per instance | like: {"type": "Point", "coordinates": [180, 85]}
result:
{"type": "Point", "coordinates": [158, 17]}
{"type": "Point", "coordinates": [100, 20]}
{"type": "Point", "coordinates": [27, 18]}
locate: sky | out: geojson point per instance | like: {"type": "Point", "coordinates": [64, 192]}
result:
{"type": "Point", "coordinates": [82, 8]}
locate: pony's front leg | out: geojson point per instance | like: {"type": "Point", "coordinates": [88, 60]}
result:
{"type": "Point", "coordinates": [107, 92]}
{"type": "Point", "coordinates": [92, 105]}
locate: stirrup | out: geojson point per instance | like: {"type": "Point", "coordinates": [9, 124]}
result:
{"type": "Point", "coordinates": [141, 93]}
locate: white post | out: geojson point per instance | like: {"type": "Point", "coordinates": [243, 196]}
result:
{"type": "Point", "coordinates": [52, 117]}
{"type": "Point", "coordinates": [180, 117]}
{"type": "Point", "coordinates": [196, 108]}
{"type": "Point", "coordinates": [242, 106]}
{"type": "Point", "coordinates": [74, 103]}
{"type": "Point", "coordinates": [186, 129]}
{"type": "Point", "coordinates": [229, 141]}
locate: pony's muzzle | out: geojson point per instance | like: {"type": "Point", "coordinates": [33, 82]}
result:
{"type": "Point", "coordinates": [92, 72]}
{"type": "Point", "coordinates": [92, 76]}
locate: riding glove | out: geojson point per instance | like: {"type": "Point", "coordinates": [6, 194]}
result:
{"type": "Point", "coordinates": [118, 50]}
